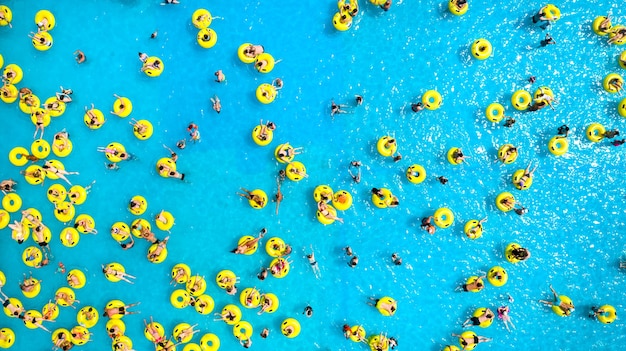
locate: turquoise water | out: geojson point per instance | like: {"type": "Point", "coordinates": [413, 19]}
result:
{"type": "Point", "coordinates": [573, 228]}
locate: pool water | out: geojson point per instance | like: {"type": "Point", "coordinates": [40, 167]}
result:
{"type": "Point", "coordinates": [573, 229]}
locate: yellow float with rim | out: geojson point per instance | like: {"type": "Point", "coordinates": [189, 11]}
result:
{"type": "Point", "coordinates": [56, 164]}
{"type": "Point", "coordinates": [502, 154]}
{"type": "Point", "coordinates": [556, 309]}
{"type": "Point", "coordinates": [385, 200]}
{"type": "Point", "coordinates": [13, 74]}
{"type": "Point", "coordinates": [99, 119]}
{"type": "Point", "coordinates": [77, 194]}
{"type": "Point", "coordinates": [145, 135]}
{"type": "Point", "coordinates": [242, 330]}
{"type": "Point", "coordinates": [384, 149]}
{"type": "Point", "coordinates": [295, 171]}
{"type": "Point", "coordinates": [208, 342]}
{"type": "Point", "coordinates": [378, 343]}
{"type": "Point", "coordinates": [44, 15]}
{"type": "Point", "coordinates": [16, 303]}
{"type": "Point", "coordinates": [87, 317]}
{"type": "Point", "coordinates": [274, 302]}
{"type": "Point", "coordinates": [608, 316]}
{"type": "Point", "coordinates": [195, 347]}
{"type": "Point", "coordinates": [260, 193]}
{"type": "Point", "coordinates": [204, 304]}
{"type": "Point", "coordinates": [517, 176]}
{"type": "Point", "coordinates": [450, 156]}
{"type": "Point", "coordinates": [275, 247]}
{"type": "Point", "coordinates": [201, 18]}
{"type": "Point", "coordinates": [416, 174]}
{"type": "Point", "coordinates": [116, 267]}
{"type": "Point", "coordinates": [115, 328]}
{"type": "Point", "coordinates": [153, 72]}
{"type": "Point", "coordinates": [551, 12]}
{"type": "Point", "coordinates": [233, 310]}
{"type": "Point", "coordinates": [357, 333]}
{"type": "Point", "coordinates": [168, 165]}
{"type": "Point", "coordinates": [606, 83]}
{"type": "Point", "coordinates": [495, 112]}
{"type": "Point", "coordinates": [5, 218]}
{"type": "Point", "coordinates": [120, 342]}
{"type": "Point", "coordinates": [17, 156]}
{"type": "Point", "coordinates": [481, 49]}
{"type": "Point", "coordinates": [455, 10]}
{"type": "Point", "coordinates": [226, 278]}
{"type": "Point", "coordinates": [183, 278]}
{"type": "Point", "coordinates": [1, 60]}
{"type": "Point", "coordinates": [468, 335]}
{"type": "Point", "coordinates": [69, 237]}
{"type": "Point", "coordinates": [80, 277]}
{"type": "Point", "coordinates": [502, 197]}
{"type": "Point", "coordinates": [286, 148]}
{"type": "Point", "coordinates": [595, 25]}
{"type": "Point", "coordinates": [33, 212]}
{"type": "Point", "coordinates": [342, 200]}
{"type": "Point", "coordinates": [113, 150]}
{"type": "Point", "coordinates": [36, 283]}
{"type": "Point", "coordinates": [40, 149]}
{"type": "Point", "coordinates": [160, 257]}
{"type": "Point", "coordinates": [50, 311]}
{"type": "Point", "coordinates": [64, 212]}
{"type": "Point", "coordinates": [250, 298]}
{"type": "Point", "coordinates": [137, 225]}
{"type": "Point", "coordinates": [338, 24]}
{"type": "Point", "coordinates": [71, 297]}
{"type": "Point", "coordinates": [543, 91]}
{"type": "Point", "coordinates": [621, 60]}
{"type": "Point", "coordinates": [324, 220]}
{"type": "Point", "coordinates": [284, 270]}
{"type": "Point", "coordinates": [62, 147]}
{"type": "Point", "coordinates": [28, 102]}
{"type": "Point", "coordinates": [179, 329]}
{"type": "Point", "coordinates": [241, 53]}
{"type": "Point", "coordinates": [180, 298]}
{"type": "Point", "coordinates": [386, 300]}
{"type": "Point", "coordinates": [40, 112]}
{"type": "Point", "coordinates": [508, 252]}
{"type": "Point", "coordinates": [9, 93]}
{"type": "Point", "coordinates": [432, 99]}
{"type": "Point", "coordinates": [264, 57]}
{"type": "Point", "coordinates": [115, 304]}
{"type": "Point", "coordinates": [481, 311]}
{"type": "Point", "coordinates": [266, 93]}
{"type": "Point", "coordinates": [323, 193]}
{"type": "Point", "coordinates": [451, 348]}
{"type": "Point", "coordinates": [206, 38]}
{"type": "Point", "coordinates": [122, 107]}
{"type": "Point", "coordinates": [558, 145]}
{"type": "Point", "coordinates": [595, 132]}
{"type": "Point", "coordinates": [56, 335]}
{"type": "Point", "coordinates": [11, 202]}
{"type": "Point", "coordinates": [443, 217]}
{"type": "Point", "coordinates": [82, 228]}
{"type": "Point", "coordinates": [614, 30]}
{"type": "Point", "coordinates": [166, 223]}
{"type": "Point", "coordinates": [157, 327]}
{"type": "Point", "coordinates": [193, 281]}
{"type": "Point", "coordinates": [54, 112]}
{"type": "Point", "coordinates": [473, 229]}
{"type": "Point", "coordinates": [290, 328]}
{"type": "Point", "coordinates": [138, 210]}
{"type": "Point", "coordinates": [80, 335]}
{"type": "Point", "coordinates": [521, 99]}
{"type": "Point", "coordinates": [32, 256]}
{"type": "Point", "coordinates": [8, 15]}
{"type": "Point", "coordinates": [256, 136]}
{"type": "Point", "coordinates": [42, 41]}
{"type": "Point", "coordinates": [497, 276]}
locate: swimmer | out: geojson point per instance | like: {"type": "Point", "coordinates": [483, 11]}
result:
{"type": "Point", "coordinates": [14, 311]}
{"type": "Point", "coordinates": [509, 122]}
{"type": "Point", "coordinates": [121, 107]}
{"type": "Point", "coordinates": [277, 83]}
{"type": "Point", "coordinates": [143, 57]}
{"type": "Point", "coordinates": [258, 200]}
{"type": "Point", "coordinates": [246, 343]}
{"type": "Point", "coordinates": [39, 123]}
{"type": "Point", "coordinates": [528, 174]}
{"type": "Point", "coordinates": [386, 5]}
{"type": "Point", "coordinates": [308, 311]}
{"type": "Point", "coordinates": [566, 308]}
{"type": "Point", "coordinates": [479, 226]}
{"type": "Point", "coordinates": [281, 176]}
{"type": "Point", "coordinates": [152, 331]}
{"type": "Point", "coordinates": [36, 321]}
{"type": "Point", "coordinates": [111, 166]}
{"type": "Point", "coordinates": [287, 152]}
{"type": "Point", "coordinates": [314, 265]}
{"type": "Point", "coordinates": [194, 132]}
{"type": "Point", "coordinates": [249, 244]}
{"type": "Point", "coordinates": [618, 142]}
{"type": "Point", "coordinates": [93, 119]}
{"type": "Point", "coordinates": [265, 304]}
{"type": "Point", "coordinates": [35, 174]}
{"type": "Point", "coordinates": [3, 18]}
{"type": "Point", "coordinates": [161, 245]}
{"type": "Point", "coordinates": [467, 343]}
{"type": "Point", "coordinates": [170, 2]}
{"type": "Point", "coordinates": [28, 284]}
{"type": "Point", "coordinates": [262, 274]}
{"type": "Point", "coordinates": [358, 99]}
{"type": "Point", "coordinates": [443, 180]}
{"type": "Point", "coordinates": [68, 299]}
{"type": "Point", "coordinates": [548, 40]}
{"type": "Point", "coordinates": [227, 316]}
{"type": "Point", "coordinates": [74, 195]}
{"type": "Point", "coordinates": [458, 156]}
{"type": "Point", "coordinates": [357, 165]}
{"type": "Point", "coordinates": [520, 253]}
{"type": "Point", "coordinates": [173, 155]}
{"type": "Point", "coordinates": [53, 106]}
{"type": "Point", "coordinates": [394, 201]}
{"type": "Point", "coordinates": [264, 129]}
{"type": "Point", "coordinates": [64, 95]}
{"type": "Point", "coordinates": [348, 251]}
{"type": "Point", "coordinates": [354, 261]}
{"type": "Point", "coordinates": [323, 209]}
{"type": "Point", "coordinates": [265, 333]}
{"type": "Point", "coordinates": [278, 197]}
{"type": "Point", "coordinates": [61, 173]}
{"type": "Point", "coordinates": [156, 64]}
{"type": "Point", "coordinates": [217, 104]}
{"type": "Point", "coordinates": [154, 34]}
{"type": "Point", "coordinates": [417, 107]}
{"type": "Point", "coordinates": [42, 40]}
{"type": "Point", "coordinates": [298, 172]}
{"type": "Point", "coordinates": [541, 16]}
{"type": "Point", "coordinates": [610, 134]}
{"type": "Point", "coordinates": [385, 306]}
{"type": "Point", "coordinates": [279, 266]}
{"type": "Point", "coordinates": [508, 202]}
{"type": "Point", "coordinates": [119, 311]}
{"type": "Point", "coordinates": [7, 186]}
{"type": "Point", "coordinates": [261, 64]}
{"type": "Point", "coordinates": [187, 332]}
{"type": "Point", "coordinates": [334, 108]}
{"type": "Point", "coordinates": [396, 259]}
{"type": "Point", "coordinates": [179, 274]}
{"type": "Point", "coordinates": [163, 168]}
{"type": "Point", "coordinates": [597, 312]}
{"type": "Point", "coordinates": [521, 211]}
{"type": "Point", "coordinates": [478, 284]}
{"type": "Point", "coordinates": [563, 130]}
{"type": "Point", "coordinates": [108, 270]}
{"type": "Point", "coordinates": [80, 56]}
{"type": "Point", "coordinates": [18, 232]}
{"type": "Point", "coordinates": [181, 144]}
{"type": "Point", "coordinates": [220, 76]}
{"type": "Point", "coordinates": [427, 224]}
{"type": "Point", "coordinates": [487, 315]}
{"type": "Point", "coordinates": [253, 51]}
{"type": "Point", "coordinates": [619, 35]}
{"type": "Point", "coordinates": [86, 225]}
{"type": "Point", "coordinates": [397, 157]}
{"type": "Point", "coordinates": [510, 153]}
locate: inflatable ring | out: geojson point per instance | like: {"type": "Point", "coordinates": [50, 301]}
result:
{"type": "Point", "coordinates": [444, 217]}
{"type": "Point", "coordinates": [121, 342]}
{"type": "Point", "coordinates": [416, 174]}
{"type": "Point", "coordinates": [378, 342]}
{"type": "Point", "coordinates": [233, 310]}
{"type": "Point", "coordinates": [556, 309]}
{"type": "Point", "coordinates": [266, 93]}
{"type": "Point", "coordinates": [137, 225]}
{"type": "Point", "coordinates": [206, 38]}
{"type": "Point", "coordinates": [552, 13]}
{"type": "Point", "coordinates": [113, 150]}
{"type": "Point", "coordinates": [296, 171]}
{"type": "Point", "coordinates": [517, 176]}
{"type": "Point", "coordinates": [543, 91]}
{"type": "Point", "coordinates": [142, 205]}
{"type": "Point", "coordinates": [323, 193]}
{"type": "Point", "coordinates": [342, 200]}
{"type": "Point", "coordinates": [193, 281]}
{"type": "Point", "coordinates": [32, 256]}
{"type": "Point", "coordinates": [608, 316]}
{"type": "Point", "coordinates": [158, 328]}
{"type": "Point", "coordinates": [432, 99]}
{"type": "Point", "coordinates": [502, 153]}
{"type": "Point", "coordinates": [385, 150]}
{"type": "Point", "coordinates": [158, 258]}
{"type": "Point", "coordinates": [558, 145]}
{"type": "Point", "coordinates": [40, 149]}
{"type": "Point", "coordinates": [50, 311]}
{"type": "Point", "coordinates": [77, 194]}
{"type": "Point", "coordinates": [99, 119]}
{"type": "Point", "coordinates": [153, 72]}
{"type": "Point", "coordinates": [17, 156]}
{"type": "Point", "coordinates": [482, 311]}
{"type": "Point", "coordinates": [497, 276]}
{"type": "Point", "coordinates": [502, 199]}
{"type": "Point", "coordinates": [122, 107]}
{"type": "Point", "coordinates": [226, 278]}
{"type": "Point", "coordinates": [4, 222]}
{"type": "Point", "coordinates": [115, 328]}
{"type": "Point", "coordinates": [385, 200]}
{"type": "Point", "coordinates": [58, 333]}
{"type": "Point", "coordinates": [521, 99]}
{"type": "Point", "coordinates": [82, 228]}
{"type": "Point", "coordinates": [614, 30]}
{"type": "Point", "coordinates": [250, 298]}
{"type": "Point", "coordinates": [208, 342]}
{"type": "Point", "coordinates": [596, 26]}
{"type": "Point", "coordinates": [147, 133]}
{"type": "Point", "coordinates": [167, 221]}
{"type": "Point", "coordinates": [494, 112]}
{"type": "Point", "coordinates": [242, 330]}
{"type": "Point", "coordinates": [481, 49]}
{"type": "Point", "coordinates": [80, 277]}
{"type": "Point", "coordinates": [28, 102]}
{"type": "Point", "coordinates": [49, 106]}
{"type": "Point", "coordinates": [473, 229]}
{"type": "Point", "coordinates": [33, 315]}
{"type": "Point", "coordinates": [468, 335]}
{"type": "Point", "coordinates": [274, 303]}
{"type": "Point", "coordinates": [16, 303]}
{"type": "Point", "coordinates": [8, 15]}
{"type": "Point", "coordinates": [454, 9]}
{"type": "Point", "coordinates": [508, 252]}
{"type": "Point", "coordinates": [183, 278]}
{"type": "Point", "coordinates": [326, 220]}
{"type": "Point", "coordinates": [260, 193]}
{"type": "Point", "coordinates": [33, 212]}
{"type": "Point", "coordinates": [357, 333]}
{"type": "Point", "coordinates": [42, 41]}
{"type": "Point", "coordinates": [386, 300]}
{"type": "Point", "coordinates": [195, 347]}
{"type": "Point", "coordinates": [13, 74]}
{"type": "Point", "coordinates": [256, 136]}
{"type": "Point", "coordinates": [201, 18]}
{"type": "Point", "coordinates": [178, 330]}
{"type": "Point", "coordinates": [46, 15]}
{"type": "Point", "coordinates": [180, 298]}
{"type": "Point", "coordinates": [164, 166]}
{"type": "Point", "coordinates": [290, 328]}
{"type": "Point", "coordinates": [339, 24]}
{"type": "Point", "coordinates": [9, 93]}
{"type": "Point", "coordinates": [621, 60]}
{"type": "Point", "coordinates": [87, 317]}
{"type": "Point", "coordinates": [56, 164]}
{"type": "Point", "coordinates": [36, 283]}
{"type": "Point", "coordinates": [69, 236]}
{"type": "Point", "coordinates": [606, 83]}
{"type": "Point", "coordinates": [595, 132]}
{"type": "Point", "coordinates": [37, 112]}
{"type": "Point", "coordinates": [450, 156]}
{"type": "Point", "coordinates": [241, 53]}
{"type": "Point", "coordinates": [112, 277]}
{"type": "Point", "coordinates": [79, 335]}
{"type": "Point", "coordinates": [11, 202]}
{"type": "Point", "coordinates": [70, 294]}
{"type": "Point", "coordinates": [204, 304]}
{"type": "Point", "coordinates": [275, 247]}
{"type": "Point", "coordinates": [283, 271]}
{"type": "Point", "coordinates": [287, 148]}
{"type": "Point", "coordinates": [64, 212]}
{"type": "Point", "coordinates": [267, 58]}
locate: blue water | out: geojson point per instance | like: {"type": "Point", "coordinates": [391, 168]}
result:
{"type": "Point", "coordinates": [573, 228]}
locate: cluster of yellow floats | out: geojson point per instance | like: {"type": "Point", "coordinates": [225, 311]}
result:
{"type": "Point", "coordinates": [207, 37]}
{"type": "Point", "coordinates": [45, 21]}
{"type": "Point", "coordinates": [341, 200]}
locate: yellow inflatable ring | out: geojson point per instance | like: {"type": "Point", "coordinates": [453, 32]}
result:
{"type": "Point", "coordinates": [64, 212]}
{"type": "Point", "coordinates": [242, 330]}
{"type": "Point", "coordinates": [77, 194]}
{"type": "Point", "coordinates": [9, 93]}
{"type": "Point", "coordinates": [357, 333]}
{"type": "Point", "coordinates": [450, 156]}
{"type": "Point", "coordinates": [324, 220]}
{"type": "Point", "coordinates": [596, 26]}
{"type": "Point", "coordinates": [122, 341]}
{"type": "Point", "coordinates": [50, 311]}
{"type": "Point", "coordinates": [502, 154]}
{"type": "Point", "coordinates": [552, 13]}
{"type": "Point", "coordinates": [195, 347]}
{"type": "Point", "coordinates": [56, 335]}
{"type": "Point", "coordinates": [275, 247]}
{"type": "Point", "coordinates": [323, 193]}
{"type": "Point", "coordinates": [16, 156]}
{"type": "Point", "coordinates": [141, 205]}
{"type": "Point", "coordinates": [274, 302]}
{"type": "Point", "coordinates": [385, 200]}
{"type": "Point", "coordinates": [481, 49]}
{"type": "Point", "coordinates": [80, 277]}
{"type": "Point", "coordinates": [113, 150]}
{"type": "Point", "coordinates": [204, 304]}
{"type": "Point", "coordinates": [201, 18]}
{"type": "Point", "coordinates": [179, 329]}
{"type": "Point", "coordinates": [283, 271]}
{"type": "Point", "coordinates": [32, 256]}
{"type": "Point", "coordinates": [497, 276]}
{"type": "Point", "coordinates": [122, 107]}
{"type": "Point", "coordinates": [444, 217]}
{"type": "Point", "coordinates": [145, 135]}
{"type": "Point", "coordinates": [13, 74]}
{"type": "Point", "coordinates": [611, 77]}
{"type": "Point", "coordinates": [38, 111]}
{"type": "Point", "coordinates": [517, 176]}
{"type": "Point", "coordinates": [614, 31]}
{"type": "Point", "coordinates": [264, 57]}
{"type": "Point", "coordinates": [226, 278]}
{"type": "Point", "coordinates": [595, 132]}
{"type": "Point", "coordinates": [87, 317]}
{"type": "Point", "coordinates": [116, 267]}
{"type": "Point", "coordinates": [70, 294]}
{"type": "Point", "coordinates": [42, 15]}
{"type": "Point", "coordinates": [79, 335]}
{"type": "Point", "coordinates": [502, 206]}
{"type": "Point", "coordinates": [342, 200]}
{"type": "Point", "coordinates": [8, 15]}
{"type": "Point", "coordinates": [89, 220]}
{"type": "Point", "coordinates": [40, 149]}
{"type": "Point", "coordinates": [521, 99]}
{"type": "Point", "coordinates": [455, 10]}
{"type": "Point", "coordinates": [206, 38]}
{"type": "Point", "coordinates": [494, 112]}
{"type": "Point", "coordinates": [196, 280]}
{"type": "Point", "coordinates": [608, 316]}
{"type": "Point", "coordinates": [12, 202]}
{"type": "Point", "coordinates": [473, 229]}
{"type": "Point", "coordinates": [27, 107]}
{"type": "Point", "coordinates": [99, 119]}
{"type": "Point", "coordinates": [386, 300]}
{"type": "Point", "coordinates": [33, 314]}
{"type": "Point", "coordinates": [250, 298]}
{"type": "Point", "coordinates": [543, 91]}
{"type": "Point", "coordinates": [15, 302]}
{"type": "Point", "coordinates": [338, 24]}
{"type": "Point", "coordinates": [479, 312]}
{"type": "Point", "coordinates": [36, 288]}
{"type": "Point", "coordinates": [558, 145]}
{"type": "Point", "coordinates": [62, 147]}
{"type": "Point", "coordinates": [208, 342]}
{"type": "Point", "coordinates": [137, 225]}
{"type": "Point", "coordinates": [556, 309]}
{"type": "Point", "coordinates": [266, 93]}
{"type": "Point", "coordinates": [295, 171]}
{"type": "Point", "coordinates": [235, 311]}
{"type": "Point", "coordinates": [385, 150]}
{"type": "Point", "coordinates": [49, 104]}
{"type": "Point", "coordinates": [164, 166]}
{"type": "Point", "coordinates": [56, 164]}
{"type": "Point", "coordinates": [241, 53]}
{"type": "Point", "coordinates": [256, 136]}
{"type": "Point", "coordinates": [468, 335]}
{"type": "Point", "coordinates": [471, 280]}
{"type": "Point", "coordinates": [153, 72]}
{"type": "Point", "coordinates": [508, 252]}
{"type": "Point", "coordinates": [621, 61]}
{"type": "Point", "coordinates": [158, 328]}
{"type": "Point", "coordinates": [5, 218]}
{"type": "Point", "coordinates": [160, 257]}
{"type": "Point", "coordinates": [416, 174]}
{"type": "Point", "coordinates": [69, 236]}
{"type": "Point", "coordinates": [285, 159]}
{"type": "Point", "coordinates": [262, 195]}
{"type": "Point", "coordinates": [166, 223]}
{"type": "Point", "coordinates": [180, 298]}
{"type": "Point", "coordinates": [432, 99]}
{"type": "Point", "coordinates": [378, 343]}
{"type": "Point", "coordinates": [183, 278]}
{"type": "Point", "coordinates": [290, 328]}
{"type": "Point", "coordinates": [42, 41]}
